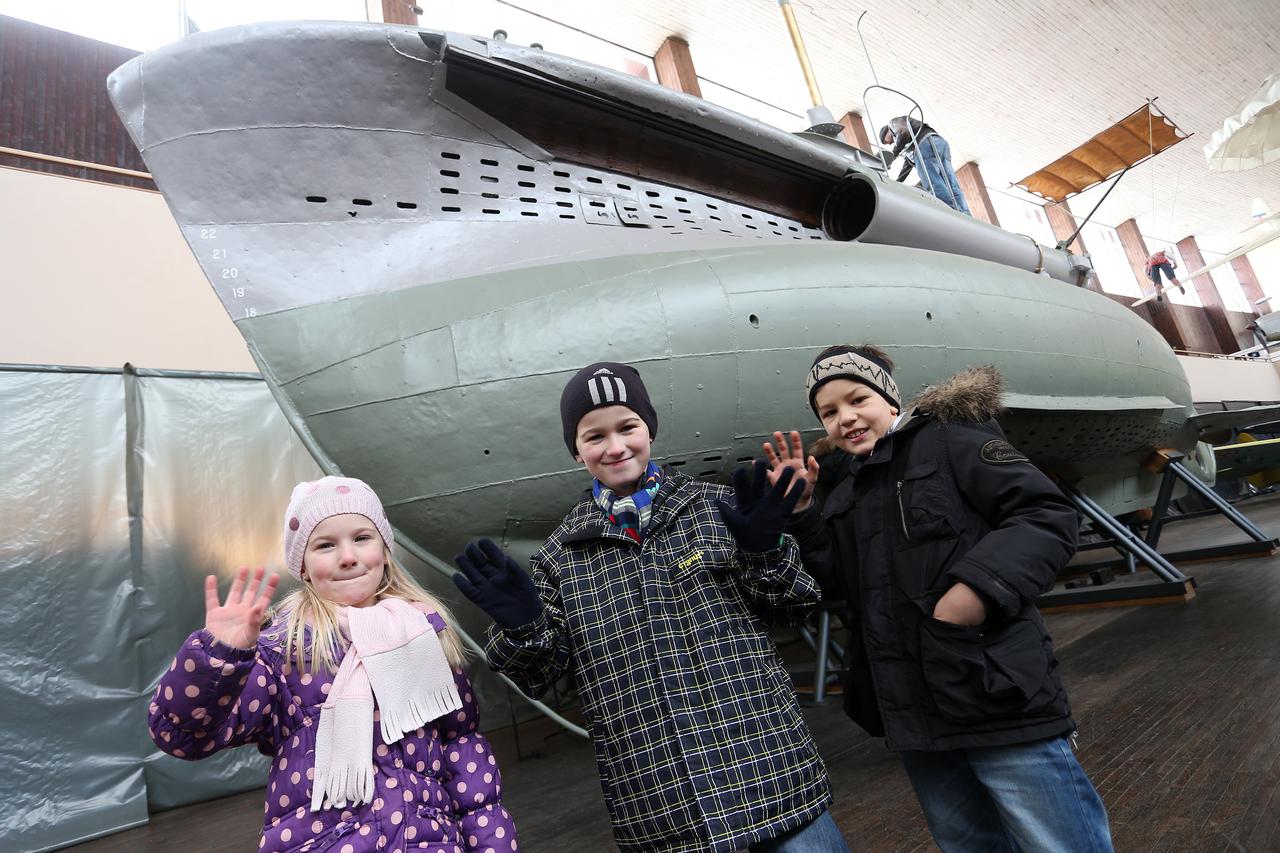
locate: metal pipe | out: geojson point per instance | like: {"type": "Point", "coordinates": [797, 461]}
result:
{"type": "Point", "coordinates": [1234, 515]}
{"type": "Point", "coordinates": [79, 164]}
{"type": "Point", "coordinates": [805, 68]}
{"type": "Point", "coordinates": [880, 210]}
{"type": "Point", "coordinates": [1161, 509]}
{"type": "Point", "coordinates": [129, 368]}
{"type": "Point", "coordinates": [1125, 537]}
{"type": "Point", "coordinates": [820, 668]}
{"type": "Point", "coordinates": [1067, 242]}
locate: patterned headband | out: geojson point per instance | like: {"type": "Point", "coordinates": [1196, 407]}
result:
{"type": "Point", "coordinates": [850, 365]}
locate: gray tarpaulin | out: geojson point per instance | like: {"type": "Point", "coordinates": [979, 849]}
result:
{"type": "Point", "coordinates": [119, 493]}
{"type": "Point", "coordinates": [94, 606]}
{"type": "Point", "coordinates": [70, 744]}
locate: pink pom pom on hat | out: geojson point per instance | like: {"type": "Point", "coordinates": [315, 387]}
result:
{"type": "Point", "coordinates": [312, 502]}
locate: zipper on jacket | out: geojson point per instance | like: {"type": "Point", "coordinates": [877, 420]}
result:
{"type": "Point", "coordinates": [903, 514]}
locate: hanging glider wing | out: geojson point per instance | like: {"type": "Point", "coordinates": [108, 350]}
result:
{"type": "Point", "coordinates": [1139, 136]}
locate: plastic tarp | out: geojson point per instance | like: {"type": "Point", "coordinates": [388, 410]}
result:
{"type": "Point", "coordinates": [120, 493]}
{"type": "Point", "coordinates": [70, 739]}
{"type": "Point", "coordinates": [216, 456]}
{"type": "Point", "coordinates": [1139, 136]}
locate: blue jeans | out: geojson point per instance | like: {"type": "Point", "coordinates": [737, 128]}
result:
{"type": "Point", "coordinates": [934, 161]}
{"type": "Point", "coordinates": [819, 836]}
{"type": "Point", "coordinates": [1168, 272]}
{"type": "Point", "coordinates": [1025, 798]}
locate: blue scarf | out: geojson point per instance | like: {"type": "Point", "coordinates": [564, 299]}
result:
{"type": "Point", "coordinates": [630, 513]}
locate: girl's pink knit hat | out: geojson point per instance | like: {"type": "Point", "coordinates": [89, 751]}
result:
{"type": "Point", "coordinates": [313, 502]}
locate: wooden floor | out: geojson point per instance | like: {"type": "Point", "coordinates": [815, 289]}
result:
{"type": "Point", "coordinates": [1178, 708]}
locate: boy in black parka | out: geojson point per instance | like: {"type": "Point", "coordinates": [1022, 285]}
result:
{"type": "Point", "coordinates": [940, 535]}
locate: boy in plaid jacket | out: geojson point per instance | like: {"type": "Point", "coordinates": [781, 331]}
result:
{"type": "Point", "coordinates": [656, 592]}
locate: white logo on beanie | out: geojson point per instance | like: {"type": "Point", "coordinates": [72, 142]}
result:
{"type": "Point", "coordinates": [608, 389]}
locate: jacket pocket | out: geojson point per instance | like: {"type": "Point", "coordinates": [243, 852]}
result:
{"type": "Point", "coordinates": [923, 503]}
{"type": "Point", "coordinates": [313, 841]}
{"type": "Point", "coordinates": [981, 673]}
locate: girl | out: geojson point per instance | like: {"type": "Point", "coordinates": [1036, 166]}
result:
{"type": "Point", "coordinates": [413, 773]}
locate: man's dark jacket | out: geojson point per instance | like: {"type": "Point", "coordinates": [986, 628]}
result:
{"type": "Point", "coordinates": [944, 498]}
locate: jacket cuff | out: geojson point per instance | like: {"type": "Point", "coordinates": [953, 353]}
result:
{"type": "Point", "coordinates": [992, 590]}
{"type": "Point", "coordinates": [759, 563]}
{"type": "Point", "coordinates": [800, 524]}
{"type": "Point", "coordinates": [219, 649]}
{"type": "Point", "coordinates": [520, 637]}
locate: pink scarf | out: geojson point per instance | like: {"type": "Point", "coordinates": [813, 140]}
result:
{"type": "Point", "coordinates": [396, 658]}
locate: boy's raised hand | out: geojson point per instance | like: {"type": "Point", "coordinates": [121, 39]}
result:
{"type": "Point", "coordinates": [238, 622]}
{"type": "Point", "coordinates": [497, 584]}
{"type": "Point", "coordinates": [789, 454]}
{"type": "Point", "coordinates": [758, 521]}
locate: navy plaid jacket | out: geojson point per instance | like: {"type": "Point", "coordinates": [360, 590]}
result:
{"type": "Point", "coordinates": [699, 741]}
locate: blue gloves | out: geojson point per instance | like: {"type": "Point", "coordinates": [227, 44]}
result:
{"type": "Point", "coordinates": [760, 518]}
{"type": "Point", "coordinates": [497, 584]}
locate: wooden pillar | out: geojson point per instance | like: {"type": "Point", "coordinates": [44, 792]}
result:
{"type": "Point", "coordinates": [674, 65]}
{"type": "Point", "coordinates": [975, 193]}
{"type": "Point", "coordinates": [855, 131]}
{"type": "Point", "coordinates": [1249, 283]}
{"type": "Point", "coordinates": [1063, 222]}
{"type": "Point", "coordinates": [1157, 313]}
{"type": "Point", "coordinates": [1214, 308]}
{"type": "Point", "coordinates": [399, 12]}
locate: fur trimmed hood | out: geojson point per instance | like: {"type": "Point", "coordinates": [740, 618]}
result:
{"type": "Point", "coordinates": [973, 395]}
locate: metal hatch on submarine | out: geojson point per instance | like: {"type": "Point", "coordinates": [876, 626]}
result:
{"type": "Point", "coordinates": [421, 235]}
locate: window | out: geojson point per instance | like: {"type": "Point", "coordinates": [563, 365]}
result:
{"type": "Point", "coordinates": [1224, 276]}
{"type": "Point", "coordinates": [483, 17]}
{"type": "Point", "coordinates": [1109, 259]}
{"type": "Point", "coordinates": [144, 25]}
{"type": "Point", "coordinates": [752, 107]}
{"type": "Point", "coordinates": [215, 14]}
{"type": "Point", "coordinates": [1022, 217]}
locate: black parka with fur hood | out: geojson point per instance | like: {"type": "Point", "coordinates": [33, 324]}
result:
{"type": "Point", "coordinates": [944, 498]}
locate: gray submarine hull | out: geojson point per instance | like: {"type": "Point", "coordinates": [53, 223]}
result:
{"type": "Point", "coordinates": [422, 235]}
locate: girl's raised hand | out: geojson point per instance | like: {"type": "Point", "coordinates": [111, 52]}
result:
{"type": "Point", "coordinates": [789, 453]}
{"type": "Point", "coordinates": [238, 622]}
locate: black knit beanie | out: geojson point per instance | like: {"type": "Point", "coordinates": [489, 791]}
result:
{"type": "Point", "coordinates": [605, 383]}
{"type": "Point", "coordinates": [851, 363]}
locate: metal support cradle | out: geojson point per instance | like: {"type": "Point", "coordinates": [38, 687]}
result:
{"type": "Point", "coordinates": [1171, 584]}
{"type": "Point", "coordinates": [825, 649]}
{"type": "Point", "coordinates": [1176, 471]}
{"type": "Point", "coordinates": [1259, 544]}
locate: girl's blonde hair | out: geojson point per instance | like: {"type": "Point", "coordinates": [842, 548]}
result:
{"type": "Point", "coordinates": [312, 639]}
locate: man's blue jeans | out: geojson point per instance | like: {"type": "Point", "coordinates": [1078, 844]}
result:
{"type": "Point", "coordinates": [820, 835]}
{"type": "Point", "coordinates": [1025, 798]}
{"type": "Point", "coordinates": [934, 160]}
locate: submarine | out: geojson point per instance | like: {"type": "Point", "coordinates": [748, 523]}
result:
{"type": "Point", "coordinates": [421, 235]}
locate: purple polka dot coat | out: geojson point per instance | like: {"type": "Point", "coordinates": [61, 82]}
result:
{"type": "Point", "coordinates": [437, 789]}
